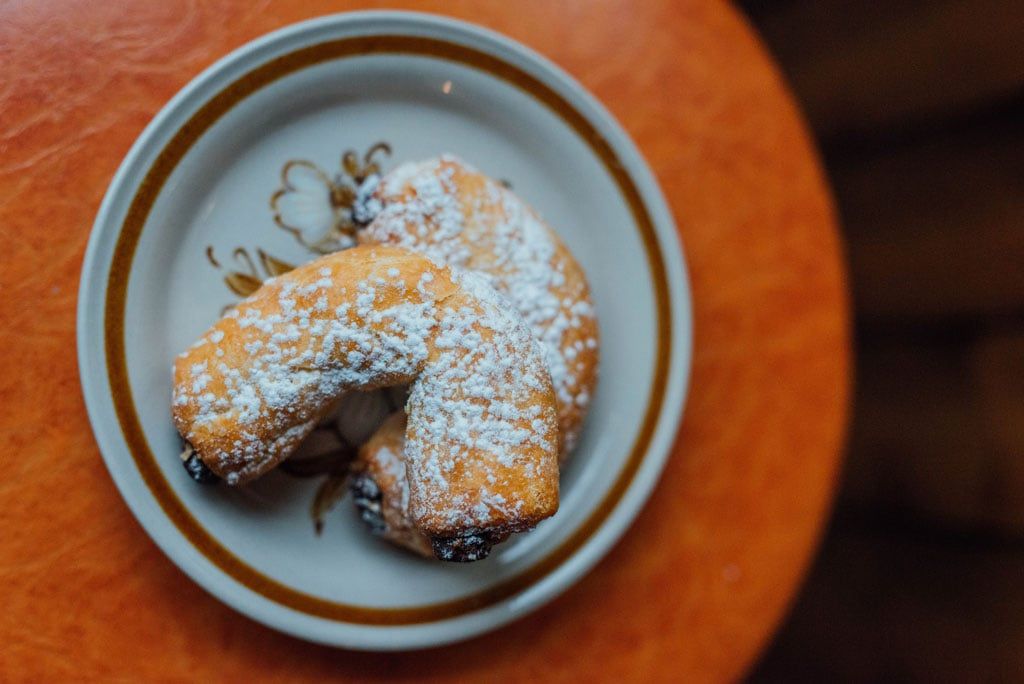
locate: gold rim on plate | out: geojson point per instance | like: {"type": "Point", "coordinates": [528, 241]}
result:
{"type": "Point", "coordinates": [117, 289]}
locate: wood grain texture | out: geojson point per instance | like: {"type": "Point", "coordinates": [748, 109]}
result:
{"type": "Point", "coordinates": [938, 432]}
{"type": "Point", "coordinates": [934, 220]}
{"type": "Point", "coordinates": [861, 66]}
{"type": "Point", "coordinates": [698, 584]}
{"type": "Point", "coordinates": [919, 104]}
{"type": "Point", "coordinates": [885, 605]}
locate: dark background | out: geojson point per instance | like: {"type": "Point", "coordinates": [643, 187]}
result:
{"type": "Point", "coordinates": [918, 108]}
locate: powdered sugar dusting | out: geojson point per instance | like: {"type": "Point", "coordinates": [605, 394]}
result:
{"type": "Point", "coordinates": [487, 229]}
{"type": "Point", "coordinates": [474, 411]}
{"type": "Point", "coordinates": [394, 468]}
{"type": "Point", "coordinates": [299, 355]}
{"type": "Point", "coordinates": [476, 418]}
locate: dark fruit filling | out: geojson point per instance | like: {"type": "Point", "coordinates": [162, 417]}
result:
{"type": "Point", "coordinates": [198, 471]}
{"type": "Point", "coordinates": [367, 497]}
{"type": "Point", "coordinates": [470, 546]}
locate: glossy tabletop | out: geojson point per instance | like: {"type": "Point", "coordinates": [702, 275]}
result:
{"type": "Point", "coordinates": [704, 575]}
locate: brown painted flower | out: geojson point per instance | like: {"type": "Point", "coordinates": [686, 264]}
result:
{"type": "Point", "coordinates": [318, 209]}
{"type": "Point", "coordinates": [247, 278]}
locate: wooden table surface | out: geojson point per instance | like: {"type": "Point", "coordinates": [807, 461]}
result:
{"type": "Point", "coordinates": [694, 589]}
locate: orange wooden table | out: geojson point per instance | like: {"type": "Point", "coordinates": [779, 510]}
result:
{"type": "Point", "coordinates": [697, 586]}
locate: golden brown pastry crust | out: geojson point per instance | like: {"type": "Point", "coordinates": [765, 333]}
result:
{"type": "Point", "coordinates": [380, 469]}
{"type": "Point", "coordinates": [448, 210]}
{"type": "Point", "coordinates": [481, 443]}
{"type": "Point", "coordinates": [451, 211]}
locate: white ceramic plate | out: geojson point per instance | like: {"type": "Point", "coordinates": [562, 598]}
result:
{"type": "Point", "coordinates": [200, 180]}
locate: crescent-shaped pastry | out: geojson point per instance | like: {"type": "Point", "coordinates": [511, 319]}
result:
{"type": "Point", "coordinates": [447, 209]}
{"type": "Point", "coordinates": [481, 444]}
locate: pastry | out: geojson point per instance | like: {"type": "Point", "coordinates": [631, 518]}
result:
{"type": "Point", "coordinates": [380, 469]}
{"type": "Point", "coordinates": [452, 212]}
{"type": "Point", "coordinates": [481, 443]}
{"type": "Point", "coordinates": [448, 210]}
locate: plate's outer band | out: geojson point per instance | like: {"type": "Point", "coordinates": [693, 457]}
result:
{"type": "Point", "coordinates": [117, 289]}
